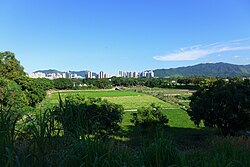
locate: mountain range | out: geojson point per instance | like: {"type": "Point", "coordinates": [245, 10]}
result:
{"type": "Point", "coordinates": [206, 69]}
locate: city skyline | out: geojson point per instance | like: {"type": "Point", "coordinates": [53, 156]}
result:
{"type": "Point", "coordinates": [54, 74]}
{"type": "Point", "coordinates": [126, 35]}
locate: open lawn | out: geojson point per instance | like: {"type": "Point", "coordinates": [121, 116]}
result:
{"type": "Point", "coordinates": [53, 98]}
{"type": "Point", "coordinates": [177, 118]}
{"type": "Point", "coordinates": [128, 99]}
{"type": "Point", "coordinates": [135, 102]}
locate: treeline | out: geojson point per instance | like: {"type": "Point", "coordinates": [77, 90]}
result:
{"type": "Point", "coordinates": [190, 82]}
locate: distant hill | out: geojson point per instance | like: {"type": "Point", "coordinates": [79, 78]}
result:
{"type": "Point", "coordinates": [48, 71]}
{"type": "Point", "coordinates": [207, 69]}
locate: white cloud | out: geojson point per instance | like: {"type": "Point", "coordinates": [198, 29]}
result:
{"type": "Point", "coordinates": [236, 56]}
{"type": "Point", "coordinates": [198, 51]}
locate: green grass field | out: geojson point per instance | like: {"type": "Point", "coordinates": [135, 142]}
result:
{"type": "Point", "coordinates": [128, 99]}
{"type": "Point", "coordinates": [135, 102]}
{"type": "Point", "coordinates": [177, 118]}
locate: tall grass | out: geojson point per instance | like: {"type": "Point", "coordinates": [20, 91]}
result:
{"type": "Point", "coordinates": [162, 152]}
{"type": "Point", "coordinates": [97, 153]}
{"type": "Point", "coordinates": [8, 136]}
{"type": "Point", "coordinates": [228, 152]}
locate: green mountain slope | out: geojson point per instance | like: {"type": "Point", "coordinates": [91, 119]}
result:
{"type": "Point", "coordinates": [207, 69]}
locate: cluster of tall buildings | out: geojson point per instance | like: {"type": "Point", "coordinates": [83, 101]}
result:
{"type": "Point", "coordinates": [144, 74]}
{"type": "Point", "coordinates": [90, 74]}
{"type": "Point", "coordinates": [100, 75]}
{"type": "Point", "coordinates": [54, 75]}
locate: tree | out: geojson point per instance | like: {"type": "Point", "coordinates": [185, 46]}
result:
{"type": "Point", "coordinates": [11, 95]}
{"type": "Point", "coordinates": [63, 83]}
{"type": "Point", "coordinates": [225, 105]}
{"type": "Point", "coordinates": [33, 89]}
{"type": "Point", "coordinates": [10, 67]}
{"type": "Point", "coordinates": [44, 83]}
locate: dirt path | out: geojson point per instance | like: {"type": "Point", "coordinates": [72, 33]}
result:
{"type": "Point", "coordinates": [133, 110]}
{"type": "Point", "coordinates": [49, 92]}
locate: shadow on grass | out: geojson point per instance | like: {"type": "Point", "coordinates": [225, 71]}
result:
{"type": "Point", "coordinates": [184, 138]}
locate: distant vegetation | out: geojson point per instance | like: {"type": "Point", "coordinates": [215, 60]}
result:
{"type": "Point", "coordinates": [208, 69]}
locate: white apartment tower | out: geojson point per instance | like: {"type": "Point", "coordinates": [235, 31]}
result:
{"type": "Point", "coordinates": [89, 74]}
{"type": "Point", "coordinates": [101, 74]}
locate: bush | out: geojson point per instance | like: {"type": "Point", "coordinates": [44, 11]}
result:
{"type": "Point", "coordinates": [149, 117]}
{"type": "Point", "coordinates": [80, 116]}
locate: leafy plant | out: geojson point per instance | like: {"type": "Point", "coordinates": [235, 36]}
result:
{"type": "Point", "coordinates": [80, 115]}
{"type": "Point", "coordinates": [149, 117]}
{"type": "Point", "coordinates": [222, 105]}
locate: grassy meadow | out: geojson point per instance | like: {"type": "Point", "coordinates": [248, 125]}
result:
{"type": "Point", "coordinates": [128, 99]}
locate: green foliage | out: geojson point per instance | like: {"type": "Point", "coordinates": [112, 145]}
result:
{"type": "Point", "coordinates": [63, 83]}
{"type": "Point", "coordinates": [222, 151]}
{"type": "Point", "coordinates": [8, 121]}
{"type": "Point", "coordinates": [80, 116]}
{"type": "Point", "coordinates": [10, 67]}
{"type": "Point", "coordinates": [225, 105]}
{"type": "Point", "coordinates": [98, 154]}
{"type": "Point", "coordinates": [161, 152]}
{"type": "Point", "coordinates": [102, 83]}
{"type": "Point", "coordinates": [149, 117]}
{"type": "Point", "coordinates": [11, 95]}
{"type": "Point", "coordinates": [44, 83]}
{"type": "Point", "coordinates": [35, 92]}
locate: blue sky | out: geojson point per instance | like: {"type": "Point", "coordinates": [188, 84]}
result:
{"type": "Point", "coordinates": [129, 35]}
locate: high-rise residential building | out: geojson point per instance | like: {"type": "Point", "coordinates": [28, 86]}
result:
{"type": "Point", "coordinates": [64, 75]}
{"type": "Point", "coordinates": [135, 75]}
{"type": "Point", "coordinates": [129, 74]}
{"type": "Point", "coordinates": [89, 74]}
{"type": "Point", "coordinates": [121, 74]}
{"type": "Point", "coordinates": [149, 74]}
{"type": "Point", "coordinates": [101, 74]}
{"type": "Point", "coordinates": [106, 76]}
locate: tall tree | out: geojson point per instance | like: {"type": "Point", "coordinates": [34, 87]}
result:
{"type": "Point", "coordinates": [225, 105]}
{"type": "Point", "coordinates": [10, 67]}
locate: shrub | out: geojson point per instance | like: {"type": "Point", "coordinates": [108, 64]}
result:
{"type": "Point", "coordinates": [149, 117]}
{"type": "Point", "coordinates": [80, 115]}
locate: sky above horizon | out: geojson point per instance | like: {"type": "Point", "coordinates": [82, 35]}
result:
{"type": "Point", "coordinates": [128, 35]}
